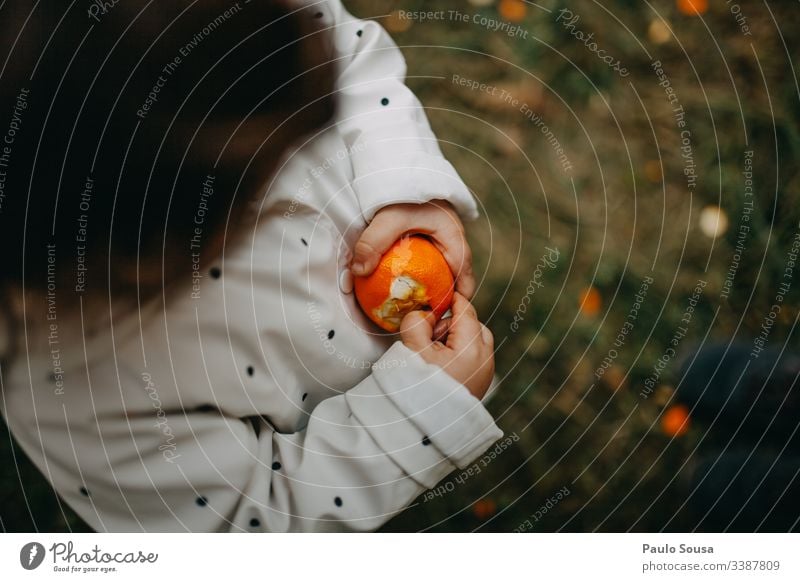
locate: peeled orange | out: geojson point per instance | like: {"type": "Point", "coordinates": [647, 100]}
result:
{"type": "Point", "coordinates": [412, 275]}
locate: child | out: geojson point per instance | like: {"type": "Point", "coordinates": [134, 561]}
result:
{"type": "Point", "coordinates": [188, 353]}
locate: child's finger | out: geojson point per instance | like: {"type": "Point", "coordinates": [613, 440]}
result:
{"type": "Point", "coordinates": [465, 327]}
{"type": "Point", "coordinates": [465, 283]}
{"type": "Point", "coordinates": [376, 239]}
{"type": "Point", "coordinates": [441, 328]}
{"type": "Point", "coordinates": [450, 240]}
{"type": "Point", "coordinates": [488, 337]}
{"type": "Point", "coordinates": [416, 330]}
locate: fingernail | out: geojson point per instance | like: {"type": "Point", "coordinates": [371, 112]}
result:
{"type": "Point", "coordinates": [357, 268]}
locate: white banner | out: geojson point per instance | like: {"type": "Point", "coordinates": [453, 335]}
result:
{"type": "Point", "coordinates": [386, 557]}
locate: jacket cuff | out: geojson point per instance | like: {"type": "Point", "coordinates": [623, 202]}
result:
{"type": "Point", "coordinates": [400, 439]}
{"type": "Point", "coordinates": [454, 421]}
{"type": "Point", "coordinates": [413, 177]}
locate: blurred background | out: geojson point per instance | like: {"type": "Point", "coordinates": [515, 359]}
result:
{"type": "Point", "coordinates": [637, 169]}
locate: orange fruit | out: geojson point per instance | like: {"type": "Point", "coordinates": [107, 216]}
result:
{"type": "Point", "coordinates": [412, 275]}
{"type": "Point", "coordinates": [484, 509]}
{"type": "Point", "coordinates": [692, 7]}
{"type": "Point", "coordinates": [591, 301]}
{"type": "Point", "coordinates": [395, 22]}
{"type": "Point", "coordinates": [512, 10]}
{"type": "Point", "coordinates": [653, 171]}
{"type": "Point", "coordinates": [675, 421]}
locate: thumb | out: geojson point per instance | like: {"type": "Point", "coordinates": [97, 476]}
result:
{"type": "Point", "coordinates": [416, 330]}
{"type": "Point", "coordinates": [376, 239]}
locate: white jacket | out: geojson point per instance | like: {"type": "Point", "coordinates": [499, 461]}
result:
{"type": "Point", "coordinates": [261, 398]}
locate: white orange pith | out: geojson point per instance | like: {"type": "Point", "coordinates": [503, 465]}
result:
{"type": "Point", "coordinates": [406, 295]}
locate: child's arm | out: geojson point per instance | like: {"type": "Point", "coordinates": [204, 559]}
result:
{"type": "Point", "coordinates": [395, 155]}
{"type": "Point", "coordinates": [363, 457]}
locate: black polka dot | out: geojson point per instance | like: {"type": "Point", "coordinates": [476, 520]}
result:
{"type": "Point", "coordinates": [318, 15]}
{"type": "Point", "coordinates": [359, 33]}
{"type": "Point", "coordinates": [331, 333]}
{"type": "Point", "coordinates": [426, 441]}
{"type": "Point", "coordinates": [255, 523]}
{"type": "Point", "coordinates": [250, 370]}
{"type": "Point", "coordinates": [337, 501]}
{"type": "Point", "coordinates": [215, 272]}
{"type": "Point", "coordinates": [385, 101]}
{"type": "Point", "coordinates": [305, 396]}
{"type": "Point", "coordinates": [276, 466]}
{"type": "Point", "coordinates": [84, 491]}
{"type": "Point", "coordinates": [201, 501]}
{"type": "Point", "coordinates": [304, 241]}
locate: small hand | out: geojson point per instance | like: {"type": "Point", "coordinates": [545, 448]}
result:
{"type": "Point", "coordinates": [468, 354]}
{"type": "Point", "coordinates": [437, 219]}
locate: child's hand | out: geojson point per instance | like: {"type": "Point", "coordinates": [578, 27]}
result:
{"type": "Point", "coordinates": [468, 355]}
{"type": "Point", "coordinates": [436, 219]}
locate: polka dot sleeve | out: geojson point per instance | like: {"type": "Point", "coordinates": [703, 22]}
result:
{"type": "Point", "coordinates": [365, 455]}
{"type": "Point", "coordinates": [362, 458]}
{"type": "Point", "coordinates": [395, 155]}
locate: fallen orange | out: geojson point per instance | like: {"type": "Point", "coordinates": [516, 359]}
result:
{"type": "Point", "coordinates": [512, 10]}
{"type": "Point", "coordinates": [692, 7]}
{"type": "Point", "coordinates": [483, 509]}
{"type": "Point", "coordinates": [591, 302]}
{"type": "Point", "coordinates": [412, 275]}
{"type": "Point", "coordinates": [675, 421]}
